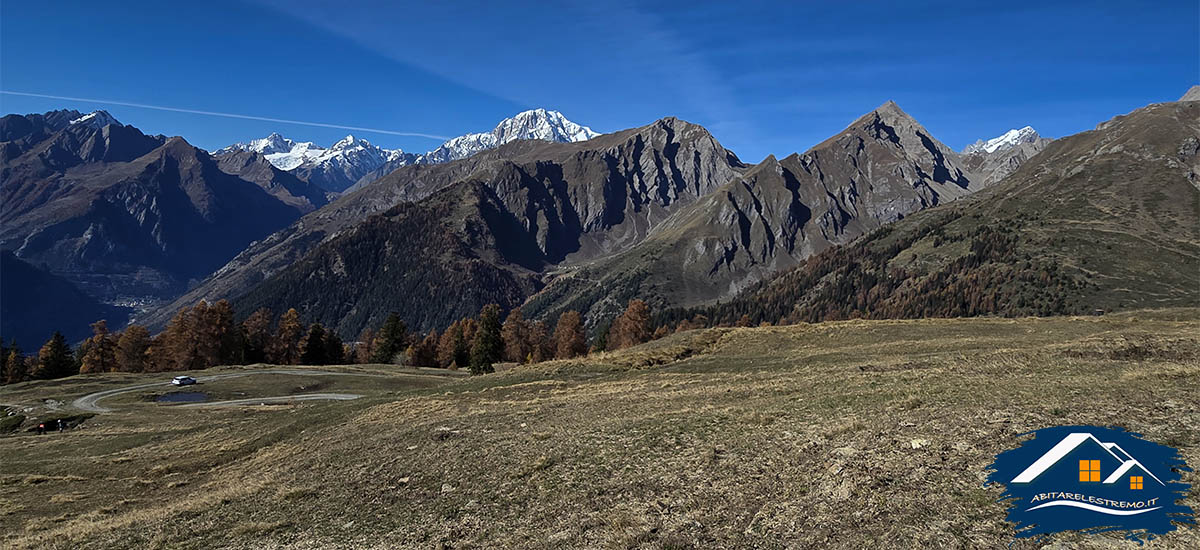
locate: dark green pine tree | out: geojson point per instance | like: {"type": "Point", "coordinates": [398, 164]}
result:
{"type": "Point", "coordinates": [462, 348]}
{"type": "Point", "coordinates": [55, 359]}
{"type": "Point", "coordinates": [335, 353]}
{"type": "Point", "coordinates": [313, 346]}
{"type": "Point", "coordinates": [488, 346]}
{"type": "Point", "coordinates": [392, 339]}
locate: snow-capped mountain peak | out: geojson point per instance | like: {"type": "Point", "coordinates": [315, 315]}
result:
{"type": "Point", "coordinates": [96, 119]}
{"type": "Point", "coordinates": [351, 159]}
{"type": "Point", "coordinates": [350, 142]}
{"type": "Point", "coordinates": [1008, 140]}
{"type": "Point", "coordinates": [533, 124]}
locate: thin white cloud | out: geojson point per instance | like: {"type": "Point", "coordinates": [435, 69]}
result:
{"type": "Point", "coordinates": [226, 115]}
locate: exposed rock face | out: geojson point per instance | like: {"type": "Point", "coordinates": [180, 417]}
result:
{"type": "Point", "coordinates": [1193, 94]}
{"type": "Point", "coordinates": [880, 169]}
{"type": "Point", "coordinates": [127, 216]}
{"type": "Point", "coordinates": [575, 202]}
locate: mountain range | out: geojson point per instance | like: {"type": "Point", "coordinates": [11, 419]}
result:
{"type": "Point", "coordinates": [662, 212]}
{"type": "Point", "coordinates": [353, 162]}
{"type": "Point", "coordinates": [545, 215]}
{"type": "Point", "coordinates": [572, 202]}
{"type": "Point", "coordinates": [128, 217]}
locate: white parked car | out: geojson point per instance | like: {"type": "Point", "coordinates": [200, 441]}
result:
{"type": "Point", "coordinates": [183, 380]}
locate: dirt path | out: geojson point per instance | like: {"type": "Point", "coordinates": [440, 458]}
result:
{"type": "Point", "coordinates": [90, 402]}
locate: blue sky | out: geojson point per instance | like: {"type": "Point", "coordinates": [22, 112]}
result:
{"type": "Point", "coordinates": [764, 77]}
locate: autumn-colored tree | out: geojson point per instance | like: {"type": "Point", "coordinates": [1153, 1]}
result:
{"type": "Point", "coordinates": [178, 345]}
{"type": "Point", "coordinates": [101, 355]}
{"type": "Point", "coordinates": [744, 321]}
{"type": "Point", "coordinates": [286, 344]}
{"type": "Point", "coordinates": [55, 359]}
{"type": "Point", "coordinates": [449, 344]}
{"type": "Point", "coordinates": [569, 340]}
{"type": "Point", "coordinates": [469, 327]}
{"type": "Point", "coordinates": [365, 347]}
{"type": "Point", "coordinates": [131, 349]}
{"type": "Point", "coordinates": [424, 353]}
{"type": "Point", "coordinates": [541, 346]}
{"type": "Point", "coordinates": [632, 327]}
{"type": "Point", "coordinates": [205, 335]}
{"type": "Point", "coordinates": [256, 335]}
{"type": "Point", "coordinates": [515, 335]}
{"type": "Point", "coordinates": [312, 346]}
{"type": "Point", "coordinates": [17, 369]}
{"type": "Point", "coordinates": [660, 332]}
{"type": "Point", "coordinates": [228, 336]}
{"type": "Point", "coordinates": [158, 354]}
{"type": "Point", "coordinates": [391, 341]}
{"type": "Point", "coordinates": [487, 347]}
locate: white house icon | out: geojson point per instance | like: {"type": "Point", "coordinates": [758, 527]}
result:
{"type": "Point", "coordinates": [1072, 442]}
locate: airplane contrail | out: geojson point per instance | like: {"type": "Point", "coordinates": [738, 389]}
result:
{"type": "Point", "coordinates": [227, 115]}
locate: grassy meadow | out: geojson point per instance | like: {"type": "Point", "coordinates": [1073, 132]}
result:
{"type": "Point", "coordinates": [839, 435]}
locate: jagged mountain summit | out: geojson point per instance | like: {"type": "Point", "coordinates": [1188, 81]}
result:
{"type": "Point", "coordinates": [335, 168]}
{"type": "Point", "coordinates": [354, 162]}
{"type": "Point", "coordinates": [996, 158]}
{"type": "Point", "coordinates": [96, 119]}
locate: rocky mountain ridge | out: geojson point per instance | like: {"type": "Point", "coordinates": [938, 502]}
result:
{"type": "Point", "coordinates": [353, 162]}
{"type": "Point", "coordinates": [126, 216]}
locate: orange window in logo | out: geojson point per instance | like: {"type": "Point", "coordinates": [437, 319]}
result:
{"type": "Point", "coordinates": [1135, 482]}
{"type": "Point", "coordinates": [1089, 470]}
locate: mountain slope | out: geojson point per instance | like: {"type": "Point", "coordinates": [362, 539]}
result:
{"type": "Point", "coordinates": [575, 201]}
{"type": "Point", "coordinates": [123, 215]}
{"type": "Point", "coordinates": [298, 193]}
{"type": "Point", "coordinates": [883, 167]}
{"type": "Point", "coordinates": [436, 261]}
{"type": "Point", "coordinates": [34, 303]}
{"type": "Point", "coordinates": [1106, 219]}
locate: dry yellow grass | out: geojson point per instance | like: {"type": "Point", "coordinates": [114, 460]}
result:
{"type": "Point", "coordinates": [841, 435]}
